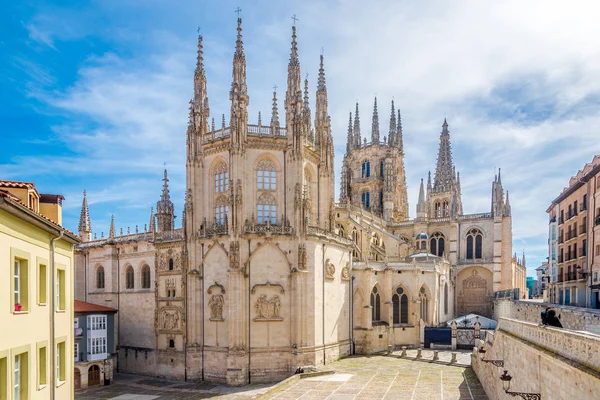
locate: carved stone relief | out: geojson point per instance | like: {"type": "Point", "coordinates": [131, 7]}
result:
{"type": "Point", "coordinates": [474, 296]}
{"type": "Point", "coordinates": [346, 273]}
{"type": "Point", "coordinates": [268, 309]}
{"type": "Point", "coordinates": [216, 303]}
{"type": "Point", "coordinates": [234, 255]}
{"type": "Point", "coordinates": [301, 257]}
{"type": "Point", "coordinates": [170, 320]}
{"type": "Point", "coordinates": [329, 270]}
{"type": "Point", "coordinates": [163, 260]}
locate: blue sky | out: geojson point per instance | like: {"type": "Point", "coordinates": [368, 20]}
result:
{"type": "Point", "coordinates": [94, 94]}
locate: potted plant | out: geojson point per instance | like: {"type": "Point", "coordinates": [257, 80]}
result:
{"type": "Point", "coordinates": [18, 307]}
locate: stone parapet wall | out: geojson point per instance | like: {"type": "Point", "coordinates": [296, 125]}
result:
{"type": "Point", "coordinates": [555, 363]}
{"type": "Point", "coordinates": [574, 318]}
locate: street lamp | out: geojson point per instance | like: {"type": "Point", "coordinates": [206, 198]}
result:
{"type": "Point", "coordinates": [497, 363]}
{"type": "Point", "coordinates": [506, 378]}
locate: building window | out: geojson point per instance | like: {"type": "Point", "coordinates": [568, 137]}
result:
{"type": "Point", "coordinates": [100, 277]}
{"type": "Point", "coordinates": [146, 277]}
{"type": "Point", "coordinates": [129, 277]}
{"type": "Point", "coordinates": [171, 266]}
{"type": "Point", "coordinates": [375, 305]}
{"type": "Point", "coordinates": [366, 199]}
{"type": "Point", "coordinates": [171, 343]}
{"type": "Point", "coordinates": [266, 176]}
{"type": "Point", "coordinates": [96, 322]}
{"type": "Point", "coordinates": [474, 244]}
{"type": "Point", "coordinates": [61, 360]}
{"type": "Point", "coordinates": [424, 304]}
{"type": "Point", "coordinates": [221, 210]}
{"type": "Point", "coordinates": [76, 351]}
{"type": "Point", "coordinates": [437, 244]}
{"type": "Point", "coordinates": [221, 178]}
{"type": "Point", "coordinates": [400, 302]}
{"type": "Point", "coordinates": [381, 169]}
{"type": "Point", "coordinates": [61, 290]}
{"type": "Point", "coordinates": [18, 283]}
{"type": "Point", "coordinates": [266, 209]}
{"type": "Point", "coordinates": [446, 298]}
{"type": "Point", "coordinates": [366, 169]}
{"type": "Point", "coordinates": [42, 284]}
{"type": "Point", "coordinates": [97, 345]}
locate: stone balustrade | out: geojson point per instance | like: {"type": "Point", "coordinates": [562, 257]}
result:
{"type": "Point", "coordinates": [577, 346]}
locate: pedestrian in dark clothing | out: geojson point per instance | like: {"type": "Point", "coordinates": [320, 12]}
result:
{"type": "Point", "coordinates": [552, 319]}
{"type": "Point", "coordinates": [544, 315]}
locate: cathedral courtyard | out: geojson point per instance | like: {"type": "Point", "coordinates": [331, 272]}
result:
{"type": "Point", "coordinates": [360, 377]}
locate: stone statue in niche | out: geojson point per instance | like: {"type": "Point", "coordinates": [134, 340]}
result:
{"type": "Point", "coordinates": [171, 320]}
{"type": "Point", "coordinates": [216, 303]}
{"type": "Point", "coordinates": [329, 270]}
{"type": "Point", "coordinates": [268, 310]}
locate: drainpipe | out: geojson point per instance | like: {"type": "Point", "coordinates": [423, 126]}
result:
{"type": "Point", "coordinates": [52, 319]}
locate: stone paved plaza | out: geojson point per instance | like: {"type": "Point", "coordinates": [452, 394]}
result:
{"type": "Point", "coordinates": [360, 377]}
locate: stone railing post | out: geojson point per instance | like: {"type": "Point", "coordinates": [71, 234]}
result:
{"type": "Point", "coordinates": [453, 334]}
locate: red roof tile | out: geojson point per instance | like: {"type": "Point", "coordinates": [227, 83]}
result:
{"type": "Point", "coordinates": [83, 307]}
{"type": "Point", "coordinates": [15, 184]}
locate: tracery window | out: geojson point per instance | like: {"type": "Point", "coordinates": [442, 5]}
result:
{"type": "Point", "coordinates": [221, 210]}
{"type": "Point", "coordinates": [424, 304]}
{"type": "Point", "coordinates": [266, 209]}
{"type": "Point", "coordinates": [366, 199]}
{"type": "Point", "coordinates": [266, 176]}
{"type": "Point", "coordinates": [100, 277]}
{"type": "Point", "coordinates": [129, 277]}
{"type": "Point", "coordinates": [437, 244]}
{"type": "Point", "coordinates": [375, 305]}
{"type": "Point", "coordinates": [446, 209]}
{"type": "Point", "coordinates": [366, 169]}
{"type": "Point", "coordinates": [400, 302]}
{"type": "Point", "coordinates": [474, 244]}
{"type": "Point", "coordinates": [381, 169]}
{"type": "Point", "coordinates": [146, 277]}
{"type": "Point", "coordinates": [221, 178]}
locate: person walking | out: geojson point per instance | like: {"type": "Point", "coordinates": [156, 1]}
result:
{"type": "Point", "coordinates": [544, 315]}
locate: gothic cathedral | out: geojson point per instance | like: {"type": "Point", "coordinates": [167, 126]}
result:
{"type": "Point", "coordinates": [267, 272]}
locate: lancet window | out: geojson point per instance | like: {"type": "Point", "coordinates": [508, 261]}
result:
{"type": "Point", "coordinates": [474, 244]}
{"type": "Point", "coordinates": [100, 277]}
{"type": "Point", "coordinates": [146, 277]}
{"type": "Point", "coordinates": [400, 303]}
{"type": "Point", "coordinates": [366, 199]}
{"type": "Point", "coordinates": [424, 304]}
{"type": "Point", "coordinates": [266, 209]}
{"type": "Point", "coordinates": [375, 305]}
{"type": "Point", "coordinates": [129, 277]}
{"type": "Point", "coordinates": [221, 210]}
{"type": "Point", "coordinates": [266, 176]}
{"type": "Point", "coordinates": [437, 244]}
{"type": "Point", "coordinates": [221, 178]}
{"type": "Point", "coordinates": [366, 169]}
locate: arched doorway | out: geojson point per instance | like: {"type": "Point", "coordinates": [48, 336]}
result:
{"type": "Point", "coordinates": [94, 375]}
{"type": "Point", "coordinates": [77, 378]}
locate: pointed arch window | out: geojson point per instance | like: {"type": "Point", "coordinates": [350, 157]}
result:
{"type": "Point", "coordinates": [129, 277]}
{"type": "Point", "coordinates": [366, 199]}
{"type": "Point", "coordinates": [446, 208]}
{"type": "Point", "coordinates": [221, 178]}
{"type": "Point", "coordinates": [474, 244]}
{"type": "Point", "coordinates": [437, 244]}
{"type": "Point", "coordinates": [375, 305]}
{"type": "Point", "coordinates": [381, 169]}
{"type": "Point", "coordinates": [266, 209]}
{"type": "Point", "coordinates": [424, 304]}
{"type": "Point", "coordinates": [366, 169]}
{"type": "Point", "coordinates": [438, 209]}
{"type": "Point", "coordinates": [221, 210]}
{"type": "Point", "coordinates": [100, 277]}
{"type": "Point", "coordinates": [146, 277]}
{"type": "Point", "coordinates": [266, 176]}
{"type": "Point", "coordinates": [400, 302]}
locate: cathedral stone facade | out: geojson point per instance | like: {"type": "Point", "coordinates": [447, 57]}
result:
{"type": "Point", "coordinates": [268, 273]}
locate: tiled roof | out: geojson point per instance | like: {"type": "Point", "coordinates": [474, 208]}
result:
{"type": "Point", "coordinates": [83, 307]}
{"type": "Point", "coordinates": [15, 184]}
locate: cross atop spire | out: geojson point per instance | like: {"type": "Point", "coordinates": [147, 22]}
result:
{"type": "Point", "coordinates": [238, 11]}
{"type": "Point", "coordinates": [294, 19]}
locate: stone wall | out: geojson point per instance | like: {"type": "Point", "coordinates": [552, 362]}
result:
{"type": "Point", "coordinates": [557, 363]}
{"type": "Point", "coordinates": [575, 318]}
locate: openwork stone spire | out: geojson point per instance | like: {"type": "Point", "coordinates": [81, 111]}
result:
{"type": "Point", "coordinates": [357, 138]}
{"type": "Point", "coordinates": [375, 125]}
{"type": "Point", "coordinates": [349, 140]}
{"type": "Point", "coordinates": [293, 99]}
{"type": "Point", "coordinates": [239, 96]}
{"type": "Point", "coordinates": [165, 211]}
{"type": "Point", "coordinates": [111, 231]}
{"type": "Point", "coordinates": [274, 113]}
{"type": "Point", "coordinates": [444, 176]}
{"type": "Point", "coordinates": [85, 226]}
{"type": "Point", "coordinates": [399, 138]}
{"type": "Point", "coordinates": [393, 128]}
{"type": "Point", "coordinates": [152, 225]}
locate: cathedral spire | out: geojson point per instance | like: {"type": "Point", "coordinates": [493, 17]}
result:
{"type": "Point", "coordinates": [429, 188]}
{"type": "Point", "coordinates": [507, 209]}
{"type": "Point", "coordinates": [85, 227]}
{"type": "Point", "coordinates": [399, 138]}
{"type": "Point", "coordinates": [275, 114]}
{"type": "Point", "coordinates": [199, 109]}
{"type": "Point", "coordinates": [239, 95]}
{"type": "Point", "coordinates": [306, 105]}
{"type": "Point", "coordinates": [152, 225]}
{"type": "Point", "coordinates": [375, 125]}
{"type": "Point", "coordinates": [444, 176]}
{"type": "Point", "coordinates": [393, 128]}
{"type": "Point", "coordinates": [357, 138]}
{"type": "Point", "coordinates": [421, 205]}
{"type": "Point", "coordinates": [349, 142]}
{"type": "Point", "coordinates": [321, 82]}
{"type": "Point", "coordinates": [293, 98]}
{"type": "Point", "coordinates": [111, 230]}
{"type": "Point", "coordinates": [165, 211]}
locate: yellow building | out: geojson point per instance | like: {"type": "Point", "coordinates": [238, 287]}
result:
{"type": "Point", "coordinates": [36, 299]}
